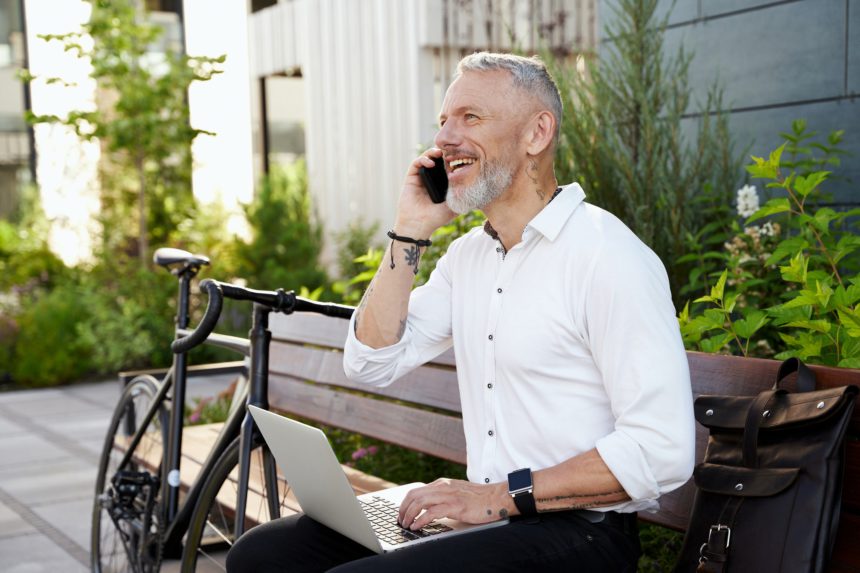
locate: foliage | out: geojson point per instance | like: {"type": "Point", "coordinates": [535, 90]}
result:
{"type": "Point", "coordinates": [660, 548]}
{"type": "Point", "coordinates": [810, 307]}
{"type": "Point", "coordinates": [352, 244]}
{"type": "Point", "coordinates": [130, 317]}
{"type": "Point", "coordinates": [368, 263]}
{"type": "Point", "coordinates": [26, 262]}
{"type": "Point", "coordinates": [143, 123]}
{"type": "Point", "coordinates": [48, 349]}
{"type": "Point", "coordinates": [286, 239]}
{"type": "Point", "coordinates": [623, 139]}
{"type": "Point", "coordinates": [390, 462]}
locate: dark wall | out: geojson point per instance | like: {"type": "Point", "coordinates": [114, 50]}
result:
{"type": "Point", "coordinates": [776, 62]}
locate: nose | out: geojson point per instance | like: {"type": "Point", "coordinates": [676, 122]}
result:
{"type": "Point", "coordinates": [447, 136]}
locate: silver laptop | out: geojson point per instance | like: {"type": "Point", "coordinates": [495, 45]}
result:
{"type": "Point", "coordinates": [321, 488]}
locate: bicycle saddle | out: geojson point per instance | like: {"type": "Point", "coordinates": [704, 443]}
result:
{"type": "Point", "coordinates": [167, 256]}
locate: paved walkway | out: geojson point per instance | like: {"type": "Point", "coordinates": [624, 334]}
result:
{"type": "Point", "coordinates": [50, 442]}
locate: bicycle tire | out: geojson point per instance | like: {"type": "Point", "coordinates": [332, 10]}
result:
{"type": "Point", "coordinates": [213, 516]}
{"type": "Point", "coordinates": [118, 543]}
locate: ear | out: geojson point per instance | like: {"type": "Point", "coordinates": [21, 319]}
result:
{"type": "Point", "coordinates": [539, 132]}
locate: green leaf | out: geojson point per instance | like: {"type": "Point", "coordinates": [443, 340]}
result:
{"type": "Point", "coordinates": [787, 247]}
{"type": "Point", "coordinates": [782, 315]}
{"type": "Point", "coordinates": [850, 319]}
{"type": "Point", "coordinates": [747, 327]}
{"type": "Point", "coordinates": [822, 326]}
{"type": "Point", "coordinates": [718, 290]}
{"type": "Point", "coordinates": [796, 270]}
{"type": "Point", "coordinates": [802, 298]}
{"type": "Point", "coordinates": [804, 185]}
{"type": "Point", "coordinates": [846, 296]}
{"type": "Point", "coordinates": [849, 363]}
{"type": "Point", "coordinates": [715, 343]}
{"type": "Point", "coordinates": [772, 207]}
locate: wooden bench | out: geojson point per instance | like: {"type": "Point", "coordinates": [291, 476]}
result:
{"type": "Point", "coordinates": [306, 379]}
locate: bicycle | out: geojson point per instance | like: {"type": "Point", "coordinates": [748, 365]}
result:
{"type": "Point", "coordinates": [139, 515]}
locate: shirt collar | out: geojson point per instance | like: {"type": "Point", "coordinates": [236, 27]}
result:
{"type": "Point", "coordinates": [550, 220]}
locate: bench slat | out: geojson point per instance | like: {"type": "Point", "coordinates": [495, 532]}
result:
{"type": "Point", "coordinates": [308, 328]}
{"type": "Point", "coordinates": [421, 430]}
{"type": "Point", "coordinates": [426, 385]}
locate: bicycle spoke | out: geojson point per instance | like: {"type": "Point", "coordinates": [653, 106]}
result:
{"type": "Point", "coordinates": [125, 528]}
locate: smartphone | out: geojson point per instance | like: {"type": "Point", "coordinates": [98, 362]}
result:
{"type": "Point", "coordinates": [435, 180]}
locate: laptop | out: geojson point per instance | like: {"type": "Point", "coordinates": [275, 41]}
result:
{"type": "Point", "coordinates": [306, 459]}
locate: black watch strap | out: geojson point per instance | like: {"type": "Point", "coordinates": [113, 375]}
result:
{"type": "Point", "coordinates": [525, 503]}
{"type": "Point", "coordinates": [520, 487]}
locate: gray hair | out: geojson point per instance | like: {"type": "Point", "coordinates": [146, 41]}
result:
{"type": "Point", "coordinates": [529, 74]}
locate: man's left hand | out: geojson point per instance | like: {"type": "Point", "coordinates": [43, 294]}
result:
{"type": "Point", "coordinates": [455, 499]}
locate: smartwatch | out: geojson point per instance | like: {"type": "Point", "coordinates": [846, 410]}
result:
{"type": "Point", "coordinates": [520, 488]}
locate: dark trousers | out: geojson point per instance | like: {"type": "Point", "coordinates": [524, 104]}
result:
{"type": "Point", "coordinates": [561, 541]}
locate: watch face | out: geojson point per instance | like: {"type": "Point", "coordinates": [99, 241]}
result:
{"type": "Point", "coordinates": [519, 479]}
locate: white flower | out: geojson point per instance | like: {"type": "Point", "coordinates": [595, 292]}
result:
{"type": "Point", "coordinates": [747, 201]}
{"type": "Point", "coordinates": [768, 230]}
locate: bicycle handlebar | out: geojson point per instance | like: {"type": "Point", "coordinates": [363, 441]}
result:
{"type": "Point", "coordinates": [278, 300]}
{"type": "Point", "coordinates": [207, 324]}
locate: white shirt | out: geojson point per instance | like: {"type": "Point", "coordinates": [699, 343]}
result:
{"type": "Point", "coordinates": [566, 343]}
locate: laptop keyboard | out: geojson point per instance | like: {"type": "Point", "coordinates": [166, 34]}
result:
{"type": "Point", "coordinates": [383, 517]}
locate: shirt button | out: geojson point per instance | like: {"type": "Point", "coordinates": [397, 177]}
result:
{"type": "Point", "coordinates": [498, 290]}
{"type": "Point", "coordinates": [490, 385]}
{"type": "Point", "coordinates": [491, 337]}
{"type": "Point", "coordinates": [490, 433]}
{"type": "Point", "coordinates": [486, 480]}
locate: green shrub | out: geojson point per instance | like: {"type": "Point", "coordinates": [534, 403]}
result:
{"type": "Point", "coordinates": [800, 291]}
{"type": "Point", "coordinates": [623, 138]}
{"type": "Point", "coordinates": [49, 349]}
{"type": "Point", "coordinates": [286, 239]}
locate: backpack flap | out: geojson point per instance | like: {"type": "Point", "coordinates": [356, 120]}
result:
{"type": "Point", "coordinates": [786, 409]}
{"type": "Point", "coordinates": [743, 482]}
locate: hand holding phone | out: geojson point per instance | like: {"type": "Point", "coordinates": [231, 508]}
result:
{"type": "Point", "coordinates": [435, 180]}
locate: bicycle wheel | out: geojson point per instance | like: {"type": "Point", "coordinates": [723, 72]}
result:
{"type": "Point", "coordinates": [211, 531]}
{"type": "Point", "coordinates": [125, 533]}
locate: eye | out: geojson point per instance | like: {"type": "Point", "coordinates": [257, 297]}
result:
{"type": "Point", "coordinates": [471, 117]}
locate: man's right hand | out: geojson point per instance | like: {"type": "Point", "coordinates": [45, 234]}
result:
{"type": "Point", "coordinates": [417, 215]}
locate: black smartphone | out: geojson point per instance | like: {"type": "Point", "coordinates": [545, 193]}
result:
{"type": "Point", "coordinates": [435, 180]}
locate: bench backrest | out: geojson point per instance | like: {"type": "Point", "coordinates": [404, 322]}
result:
{"type": "Point", "coordinates": [306, 379]}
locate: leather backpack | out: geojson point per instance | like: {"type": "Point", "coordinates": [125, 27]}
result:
{"type": "Point", "coordinates": [769, 490]}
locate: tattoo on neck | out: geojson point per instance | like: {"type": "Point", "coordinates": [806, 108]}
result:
{"type": "Point", "coordinates": [532, 172]}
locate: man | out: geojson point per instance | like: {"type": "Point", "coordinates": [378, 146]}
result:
{"type": "Point", "coordinates": [571, 369]}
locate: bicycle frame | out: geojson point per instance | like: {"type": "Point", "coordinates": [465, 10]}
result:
{"type": "Point", "coordinates": [173, 517]}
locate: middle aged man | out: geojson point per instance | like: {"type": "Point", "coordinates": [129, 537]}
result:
{"type": "Point", "coordinates": [571, 369]}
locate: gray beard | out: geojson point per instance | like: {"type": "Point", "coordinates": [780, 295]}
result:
{"type": "Point", "coordinates": [493, 180]}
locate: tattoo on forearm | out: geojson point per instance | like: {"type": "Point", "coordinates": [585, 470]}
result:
{"type": "Point", "coordinates": [360, 309]}
{"type": "Point", "coordinates": [402, 330]}
{"type": "Point", "coordinates": [503, 513]}
{"type": "Point", "coordinates": [588, 501]}
{"type": "Point", "coordinates": [412, 256]}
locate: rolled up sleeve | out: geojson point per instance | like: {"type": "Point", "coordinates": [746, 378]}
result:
{"type": "Point", "coordinates": [427, 334]}
{"type": "Point", "coordinates": [636, 344]}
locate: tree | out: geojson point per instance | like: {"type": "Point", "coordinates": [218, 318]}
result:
{"type": "Point", "coordinates": [142, 123]}
{"type": "Point", "coordinates": [623, 139]}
